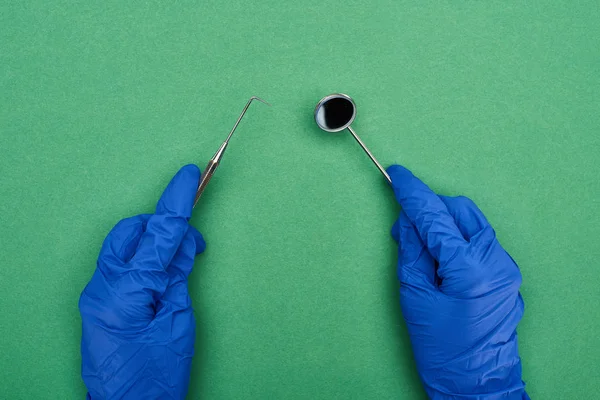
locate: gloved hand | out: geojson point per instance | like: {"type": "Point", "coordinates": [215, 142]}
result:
{"type": "Point", "coordinates": [459, 295]}
{"type": "Point", "coordinates": [138, 322]}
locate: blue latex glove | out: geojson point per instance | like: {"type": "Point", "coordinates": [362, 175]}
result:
{"type": "Point", "coordinates": [138, 322]}
{"type": "Point", "coordinates": [459, 295]}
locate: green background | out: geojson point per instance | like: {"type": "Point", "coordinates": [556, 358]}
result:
{"type": "Point", "coordinates": [296, 295]}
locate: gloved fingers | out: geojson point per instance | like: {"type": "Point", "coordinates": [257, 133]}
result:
{"type": "Point", "coordinates": [485, 266]}
{"type": "Point", "coordinates": [167, 227]}
{"type": "Point", "coordinates": [181, 266]}
{"type": "Point", "coordinates": [121, 242]}
{"type": "Point", "coordinates": [124, 298]}
{"type": "Point", "coordinates": [416, 265]}
{"type": "Point", "coordinates": [192, 244]}
{"type": "Point", "coordinates": [467, 216]}
{"type": "Point", "coordinates": [427, 213]}
{"type": "Point", "coordinates": [199, 240]}
{"type": "Point", "coordinates": [99, 300]}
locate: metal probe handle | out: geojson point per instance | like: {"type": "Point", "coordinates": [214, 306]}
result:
{"type": "Point", "coordinates": [216, 159]}
{"type": "Point", "coordinates": [210, 170]}
{"type": "Point", "coordinates": [205, 178]}
{"type": "Point", "coordinates": [371, 156]}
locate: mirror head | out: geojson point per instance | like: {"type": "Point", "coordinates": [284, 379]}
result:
{"type": "Point", "coordinates": [335, 112]}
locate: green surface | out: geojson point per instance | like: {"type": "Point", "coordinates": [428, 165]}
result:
{"type": "Point", "coordinates": [296, 295]}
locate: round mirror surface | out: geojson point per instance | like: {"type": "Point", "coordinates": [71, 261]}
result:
{"type": "Point", "coordinates": [335, 112]}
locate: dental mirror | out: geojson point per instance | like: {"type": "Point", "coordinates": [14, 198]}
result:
{"type": "Point", "coordinates": [336, 112]}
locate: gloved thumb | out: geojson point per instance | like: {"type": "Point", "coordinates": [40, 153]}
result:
{"type": "Point", "coordinates": [166, 228]}
{"type": "Point", "coordinates": [178, 197]}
